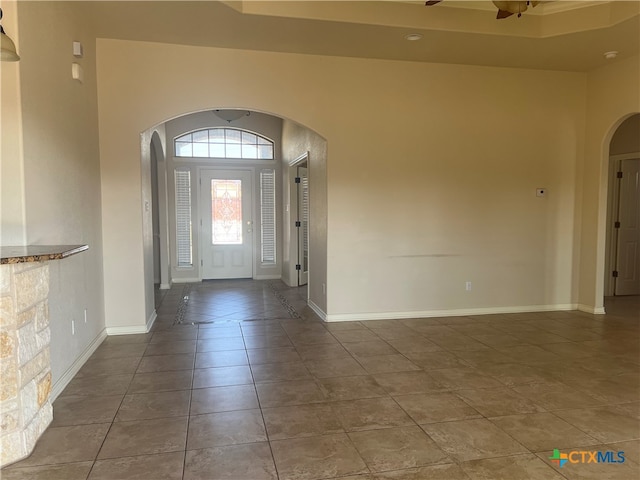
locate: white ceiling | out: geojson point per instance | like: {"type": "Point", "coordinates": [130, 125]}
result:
{"type": "Point", "coordinates": [561, 35]}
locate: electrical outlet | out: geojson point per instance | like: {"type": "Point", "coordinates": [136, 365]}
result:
{"type": "Point", "coordinates": [467, 286]}
{"type": "Point", "coordinates": [85, 315]}
{"type": "Point", "coordinates": [73, 327]}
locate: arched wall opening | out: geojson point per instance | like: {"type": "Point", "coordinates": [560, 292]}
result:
{"type": "Point", "coordinates": [290, 141]}
{"type": "Point", "coordinates": [622, 255]}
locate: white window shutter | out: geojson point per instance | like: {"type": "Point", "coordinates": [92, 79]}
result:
{"type": "Point", "coordinates": [268, 215]}
{"type": "Point", "coordinates": [183, 218]}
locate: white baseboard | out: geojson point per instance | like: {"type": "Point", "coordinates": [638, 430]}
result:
{"type": "Point", "coordinates": [592, 310]}
{"type": "Point", "coordinates": [66, 377]}
{"type": "Point", "coordinates": [128, 330]}
{"type": "Point", "coordinates": [186, 280]}
{"type": "Point", "coordinates": [462, 312]}
{"type": "Point", "coordinates": [165, 286]}
{"type": "Point", "coordinates": [151, 320]}
{"type": "Point", "coordinates": [318, 311]}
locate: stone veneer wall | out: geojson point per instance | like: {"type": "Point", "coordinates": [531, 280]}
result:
{"type": "Point", "coordinates": [25, 369]}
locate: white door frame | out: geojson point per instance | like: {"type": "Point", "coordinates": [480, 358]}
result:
{"type": "Point", "coordinates": [294, 202]}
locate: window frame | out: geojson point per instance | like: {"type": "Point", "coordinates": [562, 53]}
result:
{"type": "Point", "coordinates": [240, 145]}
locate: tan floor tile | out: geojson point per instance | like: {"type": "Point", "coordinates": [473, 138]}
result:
{"type": "Point", "coordinates": [606, 424]}
{"type": "Point", "coordinates": [289, 393]}
{"type": "Point", "coordinates": [361, 335]}
{"type": "Point", "coordinates": [235, 462]}
{"type": "Point", "coordinates": [145, 437]}
{"type": "Point", "coordinates": [495, 402]}
{"type": "Point", "coordinates": [413, 344]}
{"type": "Point", "coordinates": [375, 347]}
{"type": "Point", "coordinates": [119, 350]}
{"type": "Point", "coordinates": [225, 428]}
{"type": "Point", "coordinates": [175, 335]}
{"type": "Point", "coordinates": [280, 372]}
{"type": "Point", "coordinates": [350, 388]}
{"type": "Point", "coordinates": [213, 331]}
{"type": "Point", "coordinates": [109, 366]}
{"type": "Point", "coordinates": [556, 396]}
{"type": "Point", "coordinates": [223, 399]}
{"type": "Point", "coordinates": [448, 471]}
{"type": "Point", "coordinates": [387, 363]}
{"type": "Point", "coordinates": [311, 352]}
{"type": "Point", "coordinates": [267, 341]}
{"type": "Point", "coordinates": [166, 363]}
{"type": "Point", "coordinates": [163, 466]}
{"type": "Point", "coordinates": [463, 378]}
{"type": "Point", "coordinates": [67, 471]}
{"type": "Point", "coordinates": [396, 331]}
{"type": "Point", "coordinates": [160, 382]}
{"type": "Point", "coordinates": [222, 376]}
{"type": "Point", "coordinates": [457, 342]}
{"type": "Point", "coordinates": [261, 356]}
{"type": "Point", "coordinates": [436, 407]}
{"type": "Point", "coordinates": [543, 431]}
{"type": "Point", "coordinates": [84, 409]}
{"type": "Point", "coordinates": [405, 383]}
{"type": "Point", "coordinates": [334, 367]}
{"type": "Point", "coordinates": [171, 348]}
{"type": "Point", "coordinates": [531, 355]}
{"type": "Point", "coordinates": [397, 448]}
{"type": "Point", "coordinates": [370, 413]}
{"type": "Point", "coordinates": [514, 374]}
{"type": "Point", "coordinates": [300, 421]}
{"type": "Point", "coordinates": [473, 439]}
{"type": "Point", "coordinates": [98, 385]}
{"type": "Point", "coordinates": [317, 457]}
{"type": "Point", "coordinates": [519, 467]}
{"type": "Point", "coordinates": [228, 358]}
{"type": "Point", "coordinates": [58, 445]}
{"type": "Point", "coordinates": [220, 344]}
{"type": "Point", "coordinates": [141, 406]}
{"type": "Point", "coordinates": [435, 360]}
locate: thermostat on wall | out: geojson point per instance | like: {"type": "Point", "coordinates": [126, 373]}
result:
{"type": "Point", "coordinates": [77, 49]}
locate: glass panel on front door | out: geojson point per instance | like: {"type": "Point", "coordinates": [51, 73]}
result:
{"type": "Point", "coordinates": [226, 212]}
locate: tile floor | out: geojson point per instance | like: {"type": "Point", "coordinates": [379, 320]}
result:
{"type": "Point", "coordinates": [249, 385]}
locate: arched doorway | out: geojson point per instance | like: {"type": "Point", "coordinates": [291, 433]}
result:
{"type": "Point", "coordinates": [622, 261]}
{"type": "Point", "coordinates": [270, 262]}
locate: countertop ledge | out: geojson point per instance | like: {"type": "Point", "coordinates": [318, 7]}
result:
{"type": "Point", "coordinates": [38, 253]}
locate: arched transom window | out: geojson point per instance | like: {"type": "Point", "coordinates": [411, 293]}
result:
{"type": "Point", "coordinates": [224, 143]}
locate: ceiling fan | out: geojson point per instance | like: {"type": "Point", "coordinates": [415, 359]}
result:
{"type": "Point", "coordinates": [505, 8]}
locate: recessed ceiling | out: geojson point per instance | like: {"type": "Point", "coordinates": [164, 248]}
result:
{"type": "Point", "coordinates": [562, 35]}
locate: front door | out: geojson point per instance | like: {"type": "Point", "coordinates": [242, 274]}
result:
{"type": "Point", "coordinates": [227, 224]}
{"type": "Point", "coordinates": [628, 228]}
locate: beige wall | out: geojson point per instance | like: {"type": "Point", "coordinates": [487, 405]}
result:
{"type": "Point", "coordinates": [612, 96]}
{"type": "Point", "coordinates": [12, 214]}
{"type": "Point", "coordinates": [61, 170]}
{"type": "Point", "coordinates": [431, 173]}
